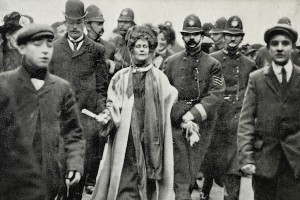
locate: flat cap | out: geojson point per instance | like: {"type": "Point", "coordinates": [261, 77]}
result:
{"type": "Point", "coordinates": [284, 29]}
{"type": "Point", "coordinates": [33, 31]}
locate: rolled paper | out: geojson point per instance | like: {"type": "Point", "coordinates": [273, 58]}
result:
{"type": "Point", "coordinates": [88, 113]}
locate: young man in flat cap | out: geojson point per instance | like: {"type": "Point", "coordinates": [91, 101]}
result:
{"type": "Point", "coordinates": [81, 61]}
{"type": "Point", "coordinates": [197, 77]}
{"type": "Point", "coordinates": [263, 57]}
{"type": "Point", "coordinates": [269, 126]}
{"type": "Point", "coordinates": [47, 111]}
{"type": "Point", "coordinates": [236, 68]}
{"type": "Point", "coordinates": [125, 21]}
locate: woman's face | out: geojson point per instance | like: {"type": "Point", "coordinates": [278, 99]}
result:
{"type": "Point", "coordinates": [141, 50]}
{"type": "Point", "coordinates": [162, 42]}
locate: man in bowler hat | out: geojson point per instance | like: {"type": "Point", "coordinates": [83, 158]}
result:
{"type": "Point", "coordinates": [46, 110]}
{"type": "Point", "coordinates": [197, 77]}
{"type": "Point", "coordinates": [269, 126]}
{"type": "Point", "coordinates": [81, 61]}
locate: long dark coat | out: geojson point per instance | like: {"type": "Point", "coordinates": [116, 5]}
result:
{"type": "Point", "coordinates": [270, 123]}
{"type": "Point", "coordinates": [221, 157]}
{"type": "Point", "coordinates": [50, 113]}
{"type": "Point", "coordinates": [183, 71]}
{"type": "Point", "coordinates": [20, 177]}
{"type": "Point", "coordinates": [85, 69]}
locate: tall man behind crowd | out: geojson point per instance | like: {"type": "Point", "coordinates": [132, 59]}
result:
{"type": "Point", "coordinates": [236, 69]}
{"type": "Point", "coordinates": [47, 111]}
{"type": "Point", "coordinates": [197, 77]}
{"type": "Point", "coordinates": [81, 61]}
{"type": "Point", "coordinates": [269, 126]}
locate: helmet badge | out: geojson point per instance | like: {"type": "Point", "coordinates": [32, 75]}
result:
{"type": "Point", "coordinates": [234, 23]}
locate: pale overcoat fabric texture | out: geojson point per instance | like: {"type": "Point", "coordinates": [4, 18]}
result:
{"type": "Point", "coordinates": [120, 106]}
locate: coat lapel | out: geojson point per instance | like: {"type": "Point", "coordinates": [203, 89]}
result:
{"type": "Point", "coordinates": [270, 79]}
{"type": "Point", "coordinates": [85, 45]}
{"type": "Point", "coordinates": [24, 79]}
{"type": "Point", "coordinates": [47, 85]}
{"type": "Point", "coordinates": [295, 77]}
{"type": "Point", "coordinates": [65, 45]}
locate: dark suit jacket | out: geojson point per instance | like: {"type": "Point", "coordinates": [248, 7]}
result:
{"type": "Point", "coordinates": [52, 112]}
{"type": "Point", "coordinates": [269, 125]}
{"type": "Point", "coordinates": [110, 49]}
{"type": "Point", "coordinates": [20, 177]}
{"type": "Point", "coordinates": [85, 69]}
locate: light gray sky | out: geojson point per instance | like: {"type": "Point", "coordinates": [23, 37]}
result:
{"type": "Point", "coordinates": [257, 15]}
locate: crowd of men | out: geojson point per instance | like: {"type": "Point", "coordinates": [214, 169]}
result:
{"type": "Point", "coordinates": [237, 112]}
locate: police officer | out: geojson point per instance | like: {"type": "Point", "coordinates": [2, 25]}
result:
{"type": "Point", "coordinates": [236, 68]}
{"type": "Point", "coordinates": [197, 77]}
{"type": "Point", "coordinates": [216, 34]}
{"type": "Point", "coordinates": [94, 25]}
{"type": "Point", "coordinates": [125, 21]}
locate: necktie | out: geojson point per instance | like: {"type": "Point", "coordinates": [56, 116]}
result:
{"type": "Point", "coordinates": [75, 45]}
{"type": "Point", "coordinates": [284, 78]}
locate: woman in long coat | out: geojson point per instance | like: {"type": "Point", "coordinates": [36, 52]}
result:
{"type": "Point", "coordinates": [139, 155]}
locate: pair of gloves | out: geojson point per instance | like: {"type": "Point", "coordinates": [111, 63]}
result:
{"type": "Point", "coordinates": [181, 117]}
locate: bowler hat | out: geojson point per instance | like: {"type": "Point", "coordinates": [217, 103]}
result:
{"type": "Point", "coordinates": [192, 24]}
{"type": "Point", "coordinates": [74, 9]}
{"type": "Point", "coordinates": [234, 26]}
{"type": "Point", "coordinates": [284, 29]}
{"type": "Point", "coordinates": [33, 31]}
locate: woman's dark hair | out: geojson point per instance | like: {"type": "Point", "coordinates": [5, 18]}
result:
{"type": "Point", "coordinates": [168, 32]}
{"type": "Point", "coordinates": [141, 32]}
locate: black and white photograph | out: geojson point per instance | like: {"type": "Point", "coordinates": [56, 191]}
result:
{"type": "Point", "coordinates": [149, 100]}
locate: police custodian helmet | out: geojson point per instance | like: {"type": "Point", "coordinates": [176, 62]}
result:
{"type": "Point", "coordinates": [94, 14]}
{"type": "Point", "coordinates": [234, 26]}
{"type": "Point", "coordinates": [192, 24]}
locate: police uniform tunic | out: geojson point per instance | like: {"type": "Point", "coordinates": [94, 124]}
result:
{"type": "Point", "coordinates": [200, 86]}
{"type": "Point", "coordinates": [222, 154]}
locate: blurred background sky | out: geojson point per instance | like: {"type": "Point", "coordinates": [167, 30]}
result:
{"type": "Point", "coordinates": [256, 15]}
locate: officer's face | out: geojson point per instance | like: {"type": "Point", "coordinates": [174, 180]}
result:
{"type": "Point", "coordinates": [192, 39]}
{"type": "Point", "coordinates": [61, 30]}
{"type": "Point", "coordinates": [280, 47]}
{"type": "Point", "coordinates": [162, 42]}
{"type": "Point", "coordinates": [75, 27]}
{"type": "Point", "coordinates": [140, 51]}
{"type": "Point", "coordinates": [232, 40]}
{"type": "Point", "coordinates": [97, 27]}
{"type": "Point", "coordinates": [123, 26]}
{"type": "Point", "coordinates": [38, 53]}
{"type": "Point", "coordinates": [217, 37]}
